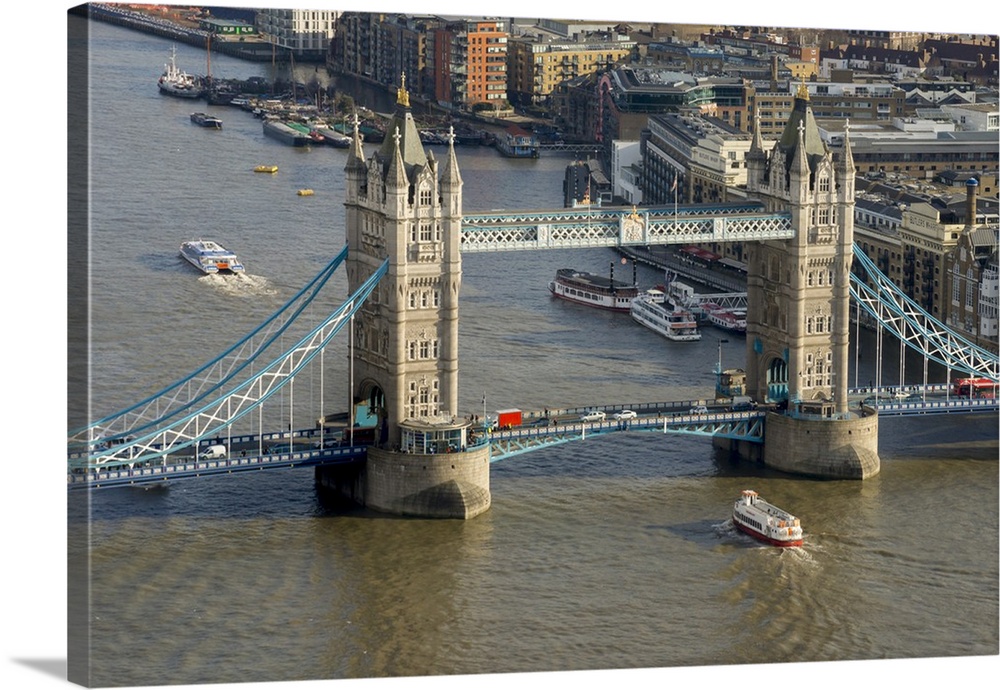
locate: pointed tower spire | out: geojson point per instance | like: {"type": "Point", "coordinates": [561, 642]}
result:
{"type": "Point", "coordinates": [356, 156]}
{"type": "Point", "coordinates": [451, 175]}
{"type": "Point", "coordinates": [801, 162]}
{"type": "Point", "coordinates": [847, 156]}
{"type": "Point", "coordinates": [396, 174]}
{"type": "Point", "coordinates": [757, 141]}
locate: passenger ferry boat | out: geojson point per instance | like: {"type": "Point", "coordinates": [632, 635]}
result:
{"type": "Point", "coordinates": [671, 321]}
{"type": "Point", "coordinates": [734, 320]}
{"type": "Point", "coordinates": [210, 257]}
{"type": "Point", "coordinates": [763, 521]}
{"type": "Point", "coordinates": [593, 290]}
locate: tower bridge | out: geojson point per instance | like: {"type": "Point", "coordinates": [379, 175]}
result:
{"type": "Point", "coordinates": [406, 231]}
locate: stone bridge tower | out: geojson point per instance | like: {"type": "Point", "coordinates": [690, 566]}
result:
{"type": "Point", "coordinates": [404, 205]}
{"type": "Point", "coordinates": [798, 304]}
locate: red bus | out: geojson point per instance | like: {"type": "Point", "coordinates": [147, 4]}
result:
{"type": "Point", "coordinates": [974, 388]}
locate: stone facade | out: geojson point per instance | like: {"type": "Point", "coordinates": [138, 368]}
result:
{"type": "Point", "coordinates": [845, 449]}
{"type": "Point", "coordinates": [449, 485]}
{"type": "Point", "coordinates": [798, 299]}
{"type": "Point", "coordinates": [403, 207]}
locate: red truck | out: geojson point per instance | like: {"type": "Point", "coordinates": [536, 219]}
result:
{"type": "Point", "coordinates": [508, 418]}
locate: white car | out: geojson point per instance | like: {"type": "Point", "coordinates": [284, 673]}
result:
{"type": "Point", "coordinates": [593, 416]}
{"type": "Point", "coordinates": [698, 409]}
{"type": "Point", "coordinates": [625, 414]}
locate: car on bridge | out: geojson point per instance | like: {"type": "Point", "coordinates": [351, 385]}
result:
{"type": "Point", "coordinates": [593, 416]}
{"type": "Point", "coordinates": [625, 414]}
{"type": "Point", "coordinates": [698, 409]}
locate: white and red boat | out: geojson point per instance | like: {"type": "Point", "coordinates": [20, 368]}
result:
{"type": "Point", "coordinates": [766, 522]}
{"type": "Point", "coordinates": [734, 320]}
{"type": "Point", "coordinates": [593, 290]}
{"type": "Point", "coordinates": [669, 320]}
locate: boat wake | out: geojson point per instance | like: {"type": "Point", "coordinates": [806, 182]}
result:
{"type": "Point", "coordinates": [241, 284]}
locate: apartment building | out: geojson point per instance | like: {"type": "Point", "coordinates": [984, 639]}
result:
{"type": "Point", "coordinates": [467, 63]}
{"type": "Point", "coordinates": [540, 62]}
{"type": "Point", "coordinates": [939, 248]}
{"type": "Point", "coordinates": [306, 34]}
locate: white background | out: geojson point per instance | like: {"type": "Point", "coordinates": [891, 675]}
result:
{"type": "Point", "coordinates": [33, 617]}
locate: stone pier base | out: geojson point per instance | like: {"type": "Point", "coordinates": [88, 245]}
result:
{"type": "Point", "coordinates": [448, 485]}
{"type": "Point", "coordinates": [815, 446]}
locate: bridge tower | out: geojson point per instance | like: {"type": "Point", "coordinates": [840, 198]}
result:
{"type": "Point", "coordinates": [402, 204]}
{"type": "Point", "coordinates": [798, 305]}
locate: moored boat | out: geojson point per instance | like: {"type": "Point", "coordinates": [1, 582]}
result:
{"type": "Point", "coordinates": [766, 522]}
{"type": "Point", "coordinates": [734, 320]}
{"type": "Point", "coordinates": [210, 257]}
{"type": "Point", "coordinates": [332, 137]}
{"type": "Point", "coordinates": [285, 134]}
{"type": "Point", "coordinates": [175, 82]}
{"type": "Point", "coordinates": [671, 321]}
{"type": "Point", "coordinates": [206, 120]}
{"type": "Point", "coordinates": [593, 290]}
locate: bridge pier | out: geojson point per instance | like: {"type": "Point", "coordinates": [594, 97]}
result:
{"type": "Point", "coordinates": [442, 485]}
{"type": "Point", "coordinates": [815, 446]}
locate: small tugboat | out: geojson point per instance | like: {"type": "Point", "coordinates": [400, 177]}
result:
{"type": "Point", "coordinates": [763, 521]}
{"type": "Point", "coordinates": [174, 82]}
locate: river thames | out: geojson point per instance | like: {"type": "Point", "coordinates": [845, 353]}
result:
{"type": "Point", "coordinates": [613, 553]}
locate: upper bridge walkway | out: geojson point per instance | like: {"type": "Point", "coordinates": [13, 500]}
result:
{"type": "Point", "coordinates": [596, 226]}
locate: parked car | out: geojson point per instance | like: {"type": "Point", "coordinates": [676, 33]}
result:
{"type": "Point", "coordinates": [593, 416]}
{"type": "Point", "coordinates": [698, 409]}
{"type": "Point", "coordinates": [625, 414]}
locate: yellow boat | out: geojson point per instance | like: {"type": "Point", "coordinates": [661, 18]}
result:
{"type": "Point", "coordinates": [266, 168]}
{"type": "Point", "coordinates": [305, 192]}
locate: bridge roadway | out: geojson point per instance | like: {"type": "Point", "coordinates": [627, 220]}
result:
{"type": "Point", "coordinates": [596, 226]}
{"type": "Point", "coordinates": [538, 430]}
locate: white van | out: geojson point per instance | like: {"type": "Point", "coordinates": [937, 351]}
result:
{"type": "Point", "coordinates": [213, 453]}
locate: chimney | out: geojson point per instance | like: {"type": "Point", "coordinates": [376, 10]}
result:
{"type": "Point", "coordinates": [971, 187]}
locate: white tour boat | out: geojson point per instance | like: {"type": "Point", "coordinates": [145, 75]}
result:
{"type": "Point", "coordinates": [672, 322]}
{"type": "Point", "coordinates": [734, 320]}
{"type": "Point", "coordinates": [593, 290]}
{"type": "Point", "coordinates": [210, 257]}
{"type": "Point", "coordinates": [763, 521]}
